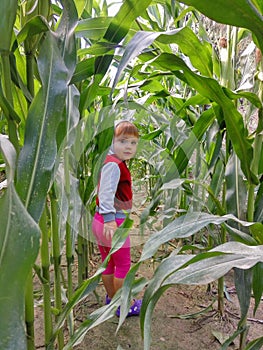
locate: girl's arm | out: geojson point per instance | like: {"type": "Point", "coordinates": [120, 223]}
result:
{"type": "Point", "coordinates": [110, 175]}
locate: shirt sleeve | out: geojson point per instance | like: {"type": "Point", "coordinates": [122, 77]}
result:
{"type": "Point", "coordinates": [110, 176]}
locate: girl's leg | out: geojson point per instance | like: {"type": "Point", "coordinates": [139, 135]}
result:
{"type": "Point", "coordinates": [108, 282]}
{"type": "Point", "coordinates": [122, 261]}
{"type": "Point", "coordinates": [119, 263]}
{"type": "Point", "coordinates": [118, 283]}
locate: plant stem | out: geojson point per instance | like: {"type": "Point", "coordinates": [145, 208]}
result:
{"type": "Point", "coordinates": [220, 289]}
{"type": "Point", "coordinates": [57, 258]}
{"type": "Point", "coordinates": [80, 259]}
{"type": "Point", "coordinates": [69, 259]}
{"type": "Point", "coordinates": [12, 127]}
{"type": "Point", "coordinates": [29, 313]}
{"type": "Point", "coordinates": [45, 262]}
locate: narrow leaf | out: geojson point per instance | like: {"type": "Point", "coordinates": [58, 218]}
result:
{"type": "Point", "coordinates": [236, 190]}
{"type": "Point", "coordinates": [186, 149]}
{"type": "Point", "coordinates": [243, 284]}
{"type": "Point", "coordinates": [211, 89]}
{"type": "Point", "coordinates": [92, 28]}
{"type": "Point", "coordinates": [19, 244]}
{"type": "Point", "coordinates": [255, 344]}
{"type": "Point", "coordinates": [183, 37]}
{"type": "Point", "coordinates": [38, 155]}
{"type": "Point", "coordinates": [239, 13]}
{"type": "Point", "coordinates": [120, 25]}
{"type": "Point", "coordinates": [35, 25]}
{"type": "Point", "coordinates": [257, 284]}
{"type": "Point", "coordinates": [8, 9]}
{"type": "Point", "coordinates": [210, 269]}
{"type": "Point", "coordinates": [183, 226]}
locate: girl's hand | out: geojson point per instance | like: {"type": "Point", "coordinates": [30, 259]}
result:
{"type": "Point", "coordinates": [109, 229]}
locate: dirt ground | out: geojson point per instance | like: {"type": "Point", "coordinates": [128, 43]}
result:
{"type": "Point", "coordinates": [173, 327]}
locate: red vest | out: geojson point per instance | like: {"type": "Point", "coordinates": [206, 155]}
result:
{"type": "Point", "coordinates": [123, 195]}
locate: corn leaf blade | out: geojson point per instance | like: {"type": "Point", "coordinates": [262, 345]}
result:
{"type": "Point", "coordinates": [19, 244]}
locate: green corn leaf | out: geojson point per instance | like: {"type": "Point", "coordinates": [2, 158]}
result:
{"type": "Point", "coordinates": [239, 13]}
{"type": "Point", "coordinates": [211, 89]}
{"type": "Point", "coordinates": [236, 190]}
{"type": "Point", "coordinates": [184, 37]}
{"type": "Point", "coordinates": [38, 155]}
{"type": "Point", "coordinates": [19, 244]}
{"type": "Point", "coordinates": [80, 6]}
{"type": "Point", "coordinates": [104, 313]}
{"type": "Point", "coordinates": [255, 344]}
{"type": "Point", "coordinates": [184, 226]}
{"type": "Point", "coordinates": [116, 31]}
{"type": "Point", "coordinates": [8, 9]}
{"type": "Point", "coordinates": [191, 46]}
{"type": "Point", "coordinates": [209, 268]}
{"type": "Point", "coordinates": [36, 25]}
{"type": "Point", "coordinates": [187, 148]}
{"type": "Point", "coordinates": [240, 236]}
{"type": "Point", "coordinates": [243, 284]}
{"type": "Point", "coordinates": [155, 286]}
{"type": "Point", "coordinates": [100, 48]}
{"type": "Point", "coordinates": [6, 107]}
{"type": "Point", "coordinates": [250, 96]}
{"type": "Point", "coordinates": [195, 270]}
{"type": "Point", "coordinates": [259, 204]}
{"type": "Point", "coordinates": [147, 315]}
{"type": "Point", "coordinates": [84, 70]}
{"type": "Point", "coordinates": [257, 284]}
{"type": "Point", "coordinates": [121, 23]}
{"type": "Point", "coordinates": [216, 183]}
{"type": "Point", "coordinates": [92, 28]}
{"type": "Point", "coordinates": [66, 35]}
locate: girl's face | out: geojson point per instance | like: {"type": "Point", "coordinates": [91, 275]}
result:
{"type": "Point", "coordinates": [125, 146]}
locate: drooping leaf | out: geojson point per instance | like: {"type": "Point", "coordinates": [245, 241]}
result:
{"type": "Point", "coordinates": [66, 34]}
{"type": "Point", "coordinates": [36, 25]}
{"type": "Point", "coordinates": [208, 269]}
{"type": "Point", "coordinates": [211, 89]}
{"type": "Point", "coordinates": [37, 157]}
{"type": "Point", "coordinates": [83, 70]}
{"type": "Point", "coordinates": [184, 226]}
{"type": "Point", "coordinates": [239, 13]}
{"type": "Point", "coordinates": [183, 37]}
{"type": "Point", "coordinates": [8, 9]}
{"type": "Point", "coordinates": [195, 270]}
{"type": "Point", "coordinates": [19, 244]}
{"type": "Point", "coordinates": [120, 25]}
{"type": "Point", "coordinates": [116, 31]}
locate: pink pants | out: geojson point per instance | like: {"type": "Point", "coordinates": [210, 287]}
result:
{"type": "Point", "coordinates": [120, 261]}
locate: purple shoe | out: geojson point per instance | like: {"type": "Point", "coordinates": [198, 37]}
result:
{"type": "Point", "coordinates": [107, 300]}
{"type": "Point", "coordinates": [134, 309]}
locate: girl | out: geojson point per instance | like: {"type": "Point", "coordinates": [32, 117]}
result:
{"type": "Point", "coordinates": [114, 202]}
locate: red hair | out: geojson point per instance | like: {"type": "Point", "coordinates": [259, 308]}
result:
{"type": "Point", "coordinates": [126, 128]}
